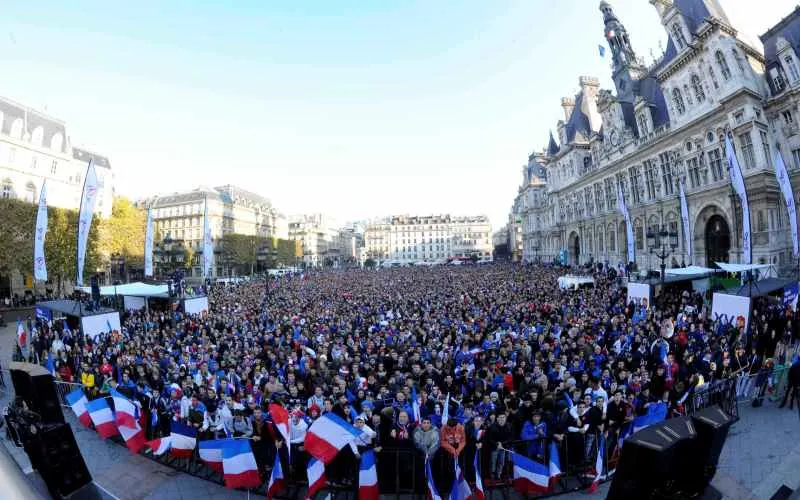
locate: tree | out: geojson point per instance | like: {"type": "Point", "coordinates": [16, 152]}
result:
{"type": "Point", "coordinates": [240, 250]}
{"type": "Point", "coordinates": [17, 225]}
{"type": "Point", "coordinates": [473, 258]}
{"type": "Point", "coordinates": [124, 232]}
{"type": "Point", "coordinates": [188, 258]}
{"type": "Point", "coordinates": [370, 263]}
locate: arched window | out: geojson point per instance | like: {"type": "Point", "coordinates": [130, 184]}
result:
{"type": "Point", "coordinates": [790, 65]}
{"type": "Point", "coordinates": [677, 36]}
{"type": "Point", "coordinates": [723, 66]}
{"type": "Point", "coordinates": [30, 193]}
{"type": "Point", "coordinates": [713, 77]}
{"type": "Point", "coordinates": [677, 100]}
{"type": "Point", "coordinates": [37, 137]}
{"type": "Point", "coordinates": [16, 129]}
{"type": "Point", "coordinates": [697, 86]}
{"type": "Point", "coordinates": [57, 141]}
{"type": "Point", "coordinates": [7, 189]}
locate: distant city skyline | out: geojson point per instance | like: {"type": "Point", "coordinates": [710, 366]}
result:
{"type": "Point", "coordinates": [356, 111]}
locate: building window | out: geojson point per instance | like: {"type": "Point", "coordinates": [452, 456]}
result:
{"type": "Point", "coordinates": [8, 189]}
{"type": "Point", "coordinates": [762, 224]}
{"type": "Point", "coordinates": [34, 162]}
{"type": "Point", "coordinates": [598, 197]}
{"type": "Point", "coordinates": [715, 162]}
{"type": "Point", "coordinates": [677, 100]}
{"type": "Point", "coordinates": [713, 77]}
{"type": "Point", "coordinates": [611, 194]}
{"type": "Point", "coordinates": [792, 67]}
{"type": "Point", "coordinates": [666, 174]}
{"type": "Point", "coordinates": [677, 36]}
{"type": "Point", "coordinates": [30, 193]}
{"type": "Point", "coordinates": [777, 80]}
{"type": "Point", "coordinates": [612, 246]}
{"type": "Point", "coordinates": [788, 119]}
{"type": "Point", "coordinates": [643, 130]}
{"type": "Point", "coordinates": [37, 138]}
{"type": "Point", "coordinates": [694, 172]}
{"type": "Point", "coordinates": [687, 94]}
{"type": "Point", "coordinates": [765, 149]}
{"type": "Point", "coordinates": [650, 178]}
{"type": "Point", "coordinates": [54, 167]}
{"type": "Point", "coordinates": [723, 66]}
{"type": "Point", "coordinates": [587, 195]}
{"type": "Point", "coordinates": [639, 237]}
{"type": "Point", "coordinates": [747, 150]}
{"type": "Point", "coordinates": [697, 86]}
{"type": "Point", "coordinates": [634, 175]}
{"type": "Point", "coordinates": [796, 158]}
{"type": "Point", "coordinates": [16, 129]}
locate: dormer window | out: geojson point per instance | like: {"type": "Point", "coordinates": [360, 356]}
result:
{"type": "Point", "coordinates": [677, 36]}
{"type": "Point", "coordinates": [777, 80]}
{"type": "Point", "coordinates": [792, 68]}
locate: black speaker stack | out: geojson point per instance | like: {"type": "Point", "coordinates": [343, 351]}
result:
{"type": "Point", "coordinates": [675, 459]}
{"type": "Point", "coordinates": [47, 439]}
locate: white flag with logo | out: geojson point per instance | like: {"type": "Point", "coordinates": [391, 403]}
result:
{"type": "Point", "coordinates": [90, 192]}
{"type": "Point", "coordinates": [148, 244]}
{"type": "Point", "coordinates": [208, 245]}
{"type": "Point", "coordinates": [628, 227]}
{"type": "Point", "coordinates": [687, 231]}
{"type": "Point", "coordinates": [737, 181]}
{"type": "Point", "coordinates": [786, 188]}
{"type": "Point", "coordinates": [39, 264]}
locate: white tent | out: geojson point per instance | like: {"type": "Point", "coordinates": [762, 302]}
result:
{"type": "Point", "coordinates": [740, 268]}
{"type": "Point", "coordinates": [137, 289]}
{"type": "Point", "coordinates": [689, 271]}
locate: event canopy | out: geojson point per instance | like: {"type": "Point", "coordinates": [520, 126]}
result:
{"type": "Point", "coordinates": [565, 282]}
{"type": "Point", "coordinates": [760, 288]}
{"type": "Point", "coordinates": [137, 289]}
{"type": "Point", "coordinates": [689, 271]}
{"type": "Point", "coordinates": [740, 268]}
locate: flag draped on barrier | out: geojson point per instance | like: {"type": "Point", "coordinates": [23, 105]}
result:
{"type": "Point", "coordinates": [85, 215]}
{"type": "Point", "coordinates": [737, 181]}
{"type": "Point", "coordinates": [39, 263]}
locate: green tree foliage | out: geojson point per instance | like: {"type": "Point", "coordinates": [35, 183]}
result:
{"type": "Point", "coordinates": [285, 252]}
{"type": "Point", "coordinates": [188, 257]}
{"type": "Point", "coordinates": [370, 263]}
{"type": "Point", "coordinates": [17, 223]}
{"type": "Point", "coordinates": [123, 233]}
{"type": "Point", "coordinates": [242, 252]}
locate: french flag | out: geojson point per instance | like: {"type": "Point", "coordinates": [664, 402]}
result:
{"type": "Point", "coordinates": [276, 481]}
{"type": "Point", "coordinates": [433, 493]}
{"type": "Point", "coordinates": [102, 418]}
{"type": "Point", "coordinates": [280, 418]}
{"type": "Point", "coordinates": [211, 453]}
{"type": "Point", "coordinates": [368, 477]}
{"type": "Point", "coordinates": [554, 464]}
{"type": "Point", "coordinates": [327, 435]}
{"type": "Point", "coordinates": [160, 446]}
{"type": "Point", "coordinates": [460, 489]}
{"type": "Point", "coordinates": [183, 439]}
{"type": "Point", "coordinates": [22, 335]}
{"type": "Point", "coordinates": [77, 401]}
{"type": "Point", "coordinates": [316, 477]}
{"type": "Point", "coordinates": [529, 476]}
{"type": "Point", "coordinates": [479, 494]}
{"type": "Point", "coordinates": [124, 410]}
{"type": "Point", "coordinates": [598, 465]}
{"type": "Point", "coordinates": [415, 405]}
{"type": "Point", "coordinates": [134, 438]}
{"type": "Point", "coordinates": [239, 467]}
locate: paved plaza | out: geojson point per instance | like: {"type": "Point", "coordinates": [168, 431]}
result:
{"type": "Point", "coordinates": [761, 454]}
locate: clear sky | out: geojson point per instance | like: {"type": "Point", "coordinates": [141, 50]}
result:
{"type": "Point", "coordinates": [355, 108]}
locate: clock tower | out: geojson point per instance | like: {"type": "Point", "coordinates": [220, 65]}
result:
{"type": "Point", "coordinates": [626, 68]}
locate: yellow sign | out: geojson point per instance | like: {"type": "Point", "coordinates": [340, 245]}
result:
{"type": "Point", "coordinates": [298, 248]}
{"type": "Point", "coordinates": [28, 281]}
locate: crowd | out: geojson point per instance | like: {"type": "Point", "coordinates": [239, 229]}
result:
{"type": "Point", "coordinates": [435, 362]}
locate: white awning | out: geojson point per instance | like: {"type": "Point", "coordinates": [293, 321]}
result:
{"type": "Point", "coordinates": [137, 289]}
{"type": "Point", "coordinates": [689, 271]}
{"type": "Point", "coordinates": [574, 281]}
{"type": "Point", "coordinates": [740, 268]}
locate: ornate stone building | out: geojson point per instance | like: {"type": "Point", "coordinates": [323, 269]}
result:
{"type": "Point", "coordinates": [663, 125]}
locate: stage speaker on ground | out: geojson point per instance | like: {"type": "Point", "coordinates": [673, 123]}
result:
{"type": "Point", "coordinates": [34, 384]}
{"type": "Point", "coordinates": [649, 461]}
{"type": "Point", "coordinates": [700, 464]}
{"type": "Point", "coordinates": [56, 456]}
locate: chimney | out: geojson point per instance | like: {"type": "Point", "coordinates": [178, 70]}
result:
{"type": "Point", "coordinates": [568, 103]}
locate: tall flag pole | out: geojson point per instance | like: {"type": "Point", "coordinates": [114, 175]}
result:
{"type": "Point", "coordinates": [737, 181]}
{"type": "Point", "coordinates": [148, 243]}
{"type": "Point", "coordinates": [788, 196]}
{"type": "Point", "coordinates": [628, 227]}
{"type": "Point", "coordinates": [88, 199]}
{"type": "Point", "coordinates": [687, 230]}
{"type": "Point", "coordinates": [39, 264]}
{"type": "Point", "coordinates": [208, 251]}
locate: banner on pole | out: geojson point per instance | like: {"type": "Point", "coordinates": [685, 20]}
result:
{"type": "Point", "coordinates": [39, 263]}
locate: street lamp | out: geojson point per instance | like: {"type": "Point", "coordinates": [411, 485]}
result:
{"type": "Point", "coordinates": [666, 241]}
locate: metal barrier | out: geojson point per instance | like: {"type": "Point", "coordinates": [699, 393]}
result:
{"type": "Point", "coordinates": [719, 392]}
{"type": "Point", "coordinates": [764, 386]}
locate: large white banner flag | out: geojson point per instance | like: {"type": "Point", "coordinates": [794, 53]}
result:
{"type": "Point", "coordinates": [786, 189]}
{"type": "Point", "coordinates": [687, 230]}
{"type": "Point", "coordinates": [88, 199]}
{"type": "Point", "coordinates": [737, 181]}
{"type": "Point", "coordinates": [208, 246]}
{"type": "Point", "coordinates": [628, 227]}
{"type": "Point", "coordinates": [148, 244]}
{"type": "Point", "coordinates": [39, 264]}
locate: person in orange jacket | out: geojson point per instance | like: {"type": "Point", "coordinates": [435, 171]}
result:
{"type": "Point", "coordinates": [453, 438]}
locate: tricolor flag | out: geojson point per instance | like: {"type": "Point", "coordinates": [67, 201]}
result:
{"type": "Point", "coordinates": [446, 410]}
{"type": "Point", "coordinates": [211, 453]}
{"type": "Point", "coordinates": [134, 438]}
{"type": "Point", "coordinates": [276, 481]}
{"type": "Point", "coordinates": [598, 465]}
{"type": "Point", "coordinates": [415, 405]}
{"type": "Point", "coordinates": [183, 439]}
{"type": "Point", "coordinates": [22, 335]}
{"type": "Point", "coordinates": [554, 464]}
{"type": "Point", "coordinates": [77, 401]}
{"type": "Point", "coordinates": [125, 411]}
{"type": "Point", "coordinates": [327, 435]}
{"type": "Point", "coordinates": [479, 494]}
{"type": "Point", "coordinates": [280, 418]}
{"type": "Point", "coordinates": [102, 418]}
{"type": "Point", "coordinates": [367, 477]}
{"type": "Point", "coordinates": [316, 477]}
{"type": "Point", "coordinates": [433, 493]}
{"type": "Point", "coordinates": [529, 476]}
{"type": "Point", "coordinates": [239, 467]}
{"type": "Point", "coordinates": [460, 489]}
{"type": "Point", "coordinates": [160, 446]}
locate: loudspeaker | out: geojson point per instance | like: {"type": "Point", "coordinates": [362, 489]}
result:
{"type": "Point", "coordinates": [649, 460]}
{"type": "Point", "coordinates": [700, 464]}
{"type": "Point", "coordinates": [95, 289]}
{"type": "Point", "coordinates": [34, 384]}
{"type": "Point", "coordinates": [56, 456]}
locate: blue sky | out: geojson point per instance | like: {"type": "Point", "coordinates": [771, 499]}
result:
{"type": "Point", "coordinates": [352, 108]}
